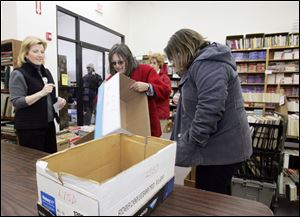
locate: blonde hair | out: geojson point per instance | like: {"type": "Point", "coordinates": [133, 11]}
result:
{"type": "Point", "coordinates": [182, 48]}
{"type": "Point", "coordinates": [160, 59]}
{"type": "Point", "coordinates": [27, 43]}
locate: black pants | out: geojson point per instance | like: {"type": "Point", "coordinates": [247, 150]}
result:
{"type": "Point", "coordinates": [216, 178]}
{"type": "Point", "coordinates": [43, 139]}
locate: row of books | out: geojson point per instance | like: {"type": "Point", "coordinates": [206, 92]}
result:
{"type": "Point", "coordinates": [252, 89]}
{"type": "Point", "coordinates": [293, 105]}
{"type": "Point", "coordinates": [262, 40]}
{"type": "Point", "coordinates": [251, 67]}
{"type": "Point", "coordinates": [262, 167]}
{"type": "Point", "coordinates": [266, 135]}
{"type": "Point", "coordinates": [6, 56]}
{"type": "Point", "coordinates": [291, 184]}
{"type": "Point", "coordinates": [261, 97]}
{"type": "Point", "coordinates": [286, 54]}
{"type": "Point", "coordinates": [293, 124]}
{"type": "Point", "coordinates": [252, 55]}
{"type": "Point", "coordinates": [281, 78]}
{"type": "Point", "coordinates": [7, 110]}
{"type": "Point", "coordinates": [235, 43]}
{"type": "Point", "coordinates": [291, 91]}
{"type": "Point", "coordinates": [255, 42]}
{"type": "Point", "coordinates": [7, 129]}
{"type": "Point", "coordinates": [251, 79]}
{"type": "Point", "coordinates": [283, 66]}
{"type": "Point", "coordinates": [277, 40]}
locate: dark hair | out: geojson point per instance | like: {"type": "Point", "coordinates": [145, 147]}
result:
{"type": "Point", "coordinates": [182, 48]}
{"type": "Point", "coordinates": [124, 52]}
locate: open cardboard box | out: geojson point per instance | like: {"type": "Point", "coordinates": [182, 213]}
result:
{"type": "Point", "coordinates": [115, 175]}
{"type": "Point", "coordinates": [120, 109]}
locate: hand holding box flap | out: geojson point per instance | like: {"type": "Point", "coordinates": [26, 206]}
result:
{"type": "Point", "coordinates": [120, 109]}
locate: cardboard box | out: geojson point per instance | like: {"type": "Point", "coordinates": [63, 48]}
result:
{"type": "Point", "coordinates": [115, 175]}
{"type": "Point", "coordinates": [146, 210]}
{"type": "Point", "coordinates": [120, 109]}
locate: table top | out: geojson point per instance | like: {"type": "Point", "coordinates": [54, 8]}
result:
{"type": "Point", "coordinates": [19, 191]}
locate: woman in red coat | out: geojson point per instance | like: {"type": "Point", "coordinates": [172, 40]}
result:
{"type": "Point", "coordinates": [158, 63]}
{"type": "Point", "coordinates": [147, 80]}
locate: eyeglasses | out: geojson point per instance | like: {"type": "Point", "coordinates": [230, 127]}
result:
{"type": "Point", "coordinates": [120, 62]}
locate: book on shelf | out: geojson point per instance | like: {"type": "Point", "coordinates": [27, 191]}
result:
{"type": "Point", "coordinates": [290, 189]}
{"type": "Point", "coordinates": [293, 125]}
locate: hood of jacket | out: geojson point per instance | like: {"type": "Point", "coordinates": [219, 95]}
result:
{"type": "Point", "coordinates": [216, 52]}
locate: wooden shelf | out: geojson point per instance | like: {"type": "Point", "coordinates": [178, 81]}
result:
{"type": "Point", "coordinates": [4, 91]}
{"type": "Point", "coordinates": [255, 73]}
{"type": "Point", "coordinates": [250, 61]}
{"type": "Point", "coordinates": [4, 118]}
{"type": "Point", "coordinates": [283, 60]}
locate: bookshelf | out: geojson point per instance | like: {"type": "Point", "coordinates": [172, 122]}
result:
{"type": "Point", "coordinates": [175, 88]}
{"type": "Point", "coordinates": [9, 54]}
{"type": "Point", "coordinates": [265, 62]}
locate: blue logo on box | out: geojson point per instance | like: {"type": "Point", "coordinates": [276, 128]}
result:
{"type": "Point", "coordinates": [48, 202]}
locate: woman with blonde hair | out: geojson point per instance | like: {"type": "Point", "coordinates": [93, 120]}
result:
{"type": "Point", "coordinates": [32, 94]}
{"type": "Point", "coordinates": [157, 61]}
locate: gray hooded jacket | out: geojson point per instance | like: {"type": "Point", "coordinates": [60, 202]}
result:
{"type": "Point", "coordinates": [211, 126]}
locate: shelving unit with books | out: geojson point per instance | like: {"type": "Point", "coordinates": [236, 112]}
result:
{"type": "Point", "coordinates": [174, 85]}
{"type": "Point", "coordinates": [257, 79]}
{"type": "Point", "coordinates": [264, 90]}
{"type": "Point", "coordinates": [283, 69]}
{"type": "Point", "coordinates": [9, 53]}
{"type": "Point", "coordinates": [251, 65]}
{"type": "Point", "coordinates": [289, 179]}
{"type": "Point", "coordinates": [265, 165]}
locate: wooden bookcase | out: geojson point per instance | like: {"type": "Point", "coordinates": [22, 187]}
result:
{"type": "Point", "coordinates": [259, 66]}
{"type": "Point", "coordinates": [9, 55]}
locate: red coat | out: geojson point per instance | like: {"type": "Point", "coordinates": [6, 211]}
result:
{"type": "Point", "coordinates": [163, 106]}
{"type": "Point", "coordinates": [147, 74]}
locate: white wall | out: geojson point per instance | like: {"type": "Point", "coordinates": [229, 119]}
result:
{"type": "Point", "coordinates": [152, 23]}
{"type": "Point", "coordinates": [147, 26]}
{"type": "Point", "coordinates": [8, 20]}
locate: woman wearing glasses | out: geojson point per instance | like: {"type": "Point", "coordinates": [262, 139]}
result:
{"type": "Point", "coordinates": [147, 80]}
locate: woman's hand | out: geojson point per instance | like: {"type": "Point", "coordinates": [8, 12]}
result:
{"type": "Point", "coordinates": [48, 88]}
{"type": "Point", "coordinates": [61, 103]}
{"type": "Point", "coordinates": [140, 87]}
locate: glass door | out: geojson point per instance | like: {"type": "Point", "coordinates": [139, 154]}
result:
{"type": "Point", "coordinates": [93, 73]}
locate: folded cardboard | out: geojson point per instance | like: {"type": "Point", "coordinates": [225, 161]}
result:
{"type": "Point", "coordinates": [121, 109]}
{"type": "Point", "coordinates": [114, 175]}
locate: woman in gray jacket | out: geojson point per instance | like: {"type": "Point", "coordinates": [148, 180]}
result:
{"type": "Point", "coordinates": [211, 128]}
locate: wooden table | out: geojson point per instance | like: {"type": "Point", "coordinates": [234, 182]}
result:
{"type": "Point", "coordinates": [19, 191]}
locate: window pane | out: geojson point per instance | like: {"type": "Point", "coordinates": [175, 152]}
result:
{"type": "Point", "coordinates": [65, 25]}
{"type": "Point", "coordinates": [94, 35]}
{"type": "Point", "coordinates": [67, 49]}
{"type": "Point", "coordinates": [67, 88]}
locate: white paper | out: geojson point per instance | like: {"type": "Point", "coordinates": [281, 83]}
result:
{"type": "Point", "coordinates": [59, 104]}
